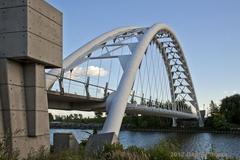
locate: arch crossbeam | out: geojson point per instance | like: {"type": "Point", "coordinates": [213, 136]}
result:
{"type": "Point", "coordinates": [178, 74]}
{"type": "Point", "coordinates": [117, 103]}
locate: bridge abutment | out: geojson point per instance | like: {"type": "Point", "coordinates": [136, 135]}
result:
{"type": "Point", "coordinates": [30, 41]}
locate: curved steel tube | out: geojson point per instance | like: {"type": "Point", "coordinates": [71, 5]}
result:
{"type": "Point", "coordinates": [76, 57]}
{"type": "Point", "coordinates": [117, 104]}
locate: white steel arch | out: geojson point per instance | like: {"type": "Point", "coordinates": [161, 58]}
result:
{"type": "Point", "coordinates": [117, 103]}
{"type": "Point", "coordinates": [79, 56]}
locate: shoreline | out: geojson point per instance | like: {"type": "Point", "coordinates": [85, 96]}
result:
{"type": "Point", "coordinates": [125, 127]}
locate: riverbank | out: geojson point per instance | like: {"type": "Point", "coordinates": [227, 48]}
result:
{"type": "Point", "coordinates": [189, 130]}
{"type": "Point", "coordinates": [166, 150]}
{"type": "Point", "coordinates": [97, 126]}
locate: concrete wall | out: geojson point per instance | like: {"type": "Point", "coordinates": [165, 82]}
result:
{"type": "Point", "coordinates": [30, 41]}
{"type": "Point", "coordinates": [24, 106]}
{"type": "Point", "coordinates": [31, 29]}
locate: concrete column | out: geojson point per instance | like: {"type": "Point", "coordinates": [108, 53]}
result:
{"type": "Point", "coordinates": [21, 117]}
{"type": "Point", "coordinates": [30, 41]}
{"type": "Point", "coordinates": [37, 105]}
{"type": "Point", "coordinates": [174, 122]}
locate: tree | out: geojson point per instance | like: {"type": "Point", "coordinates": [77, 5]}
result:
{"type": "Point", "coordinates": [98, 114]}
{"type": "Point", "coordinates": [214, 109]}
{"type": "Point", "coordinates": [50, 117]}
{"type": "Point", "coordinates": [230, 108]}
{"type": "Point", "coordinates": [219, 121]}
{"type": "Point", "coordinates": [75, 117]}
{"type": "Point", "coordinates": [59, 118]}
{"type": "Point", "coordinates": [80, 116]}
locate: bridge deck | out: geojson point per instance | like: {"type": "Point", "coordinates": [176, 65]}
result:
{"type": "Point", "coordinates": [82, 103]}
{"type": "Point", "coordinates": [74, 102]}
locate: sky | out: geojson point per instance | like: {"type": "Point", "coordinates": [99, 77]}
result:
{"type": "Point", "coordinates": [208, 31]}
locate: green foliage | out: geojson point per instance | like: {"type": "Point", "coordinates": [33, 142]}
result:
{"type": "Point", "coordinates": [230, 108]}
{"type": "Point", "coordinates": [69, 118]}
{"type": "Point", "coordinates": [65, 155]}
{"type": "Point", "coordinates": [50, 117]}
{"type": "Point", "coordinates": [41, 154]}
{"type": "Point", "coordinates": [164, 151]}
{"type": "Point", "coordinates": [147, 122]}
{"type": "Point", "coordinates": [77, 118]}
{"type": "Point", "coordinates": [112, 148]}
{"type": "Point", "coordinates": [217, 119]}
{"type": "Point", "coordinates": [5, 150]}
{"type": "Point", "coordinates": [213, 108]}
{"type": "Point", "coordinates": [131, 121]}
{"type": "Point", "coordinates": [135, 149]}
{"type": "Point", "coordinates": [98, 114]}
{"type": "Point", "coordinates": [212, 155]}
{"type": "Point", "coordinates": [225, 116]}
{"type": "Point", "coordinates": [116, 152]}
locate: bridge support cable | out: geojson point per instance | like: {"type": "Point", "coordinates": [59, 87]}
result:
{"type": "Point", "coordinates": [87, 88]}
{"type": "Point", "coordinates": [144, 66]}
{"type": "Point", "coordinates": [155, 74]}
{"type": "Point", "coordinates": [79, 56]}
{"type": "Point", "coordinates": [60, 80]}
{"type": "Point", "coordinates": [69, 83]}
{"type": "Point", "coordinates": [117, 109]}
{"type": "Point", "coordinates": [99, 72]}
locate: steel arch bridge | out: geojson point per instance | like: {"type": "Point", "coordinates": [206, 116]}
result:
{"type": "Point", "coordinates": [147, 74]}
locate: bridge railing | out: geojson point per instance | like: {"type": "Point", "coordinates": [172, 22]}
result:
{"type": "Point", "coordinates": [78, 87]}
{"type": "Point", "coordinates": [87, 89]}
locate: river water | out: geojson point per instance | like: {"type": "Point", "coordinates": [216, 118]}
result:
{"type": "Point", "coordinates": [226, 144]}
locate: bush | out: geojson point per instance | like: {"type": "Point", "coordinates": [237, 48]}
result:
{"type": "Point", "coordinates": [116, 152]}
{"type": "Point", "coordinates": [164, 151]}
{"type": "Point", "coordinates": [5, 150]}
{"type": "Point", "coordinates": [219, 122]}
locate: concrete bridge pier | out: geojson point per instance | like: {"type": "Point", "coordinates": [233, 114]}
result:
{"type": "Point", "coordinates": [30, 41]}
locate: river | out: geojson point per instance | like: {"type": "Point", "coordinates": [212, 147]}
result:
{"type": "Point", "coordinates": [227, 144]}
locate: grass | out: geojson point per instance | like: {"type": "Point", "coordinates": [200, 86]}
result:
{"type": "Point", "coordinates": [163, 151]}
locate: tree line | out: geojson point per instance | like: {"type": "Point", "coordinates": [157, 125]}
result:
{"type": "Point", "coordinates": [223, 116]}
{"type": "Point", "coordinates": [226, 115]}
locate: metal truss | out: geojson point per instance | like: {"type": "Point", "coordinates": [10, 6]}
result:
{"type": "Point", "coordinates": [180, 80]}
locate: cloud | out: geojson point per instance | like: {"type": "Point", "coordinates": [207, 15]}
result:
{"type": "Point", "coordinates": [230, 92]}
{"type": "Point", "coordinates": [90, 71]}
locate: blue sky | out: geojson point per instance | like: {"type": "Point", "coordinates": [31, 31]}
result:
{"type": "Point", "coordinates": [208, 31]}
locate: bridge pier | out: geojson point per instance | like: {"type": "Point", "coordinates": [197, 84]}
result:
{"type": "Point", "coordinates": [31, 39]}
{"type": "Point", "coordinates": [174, 122]}
{"type": "Point", "coordinates": [24, 106]}
{"type": "Point", "coordinates": [97, 141]}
